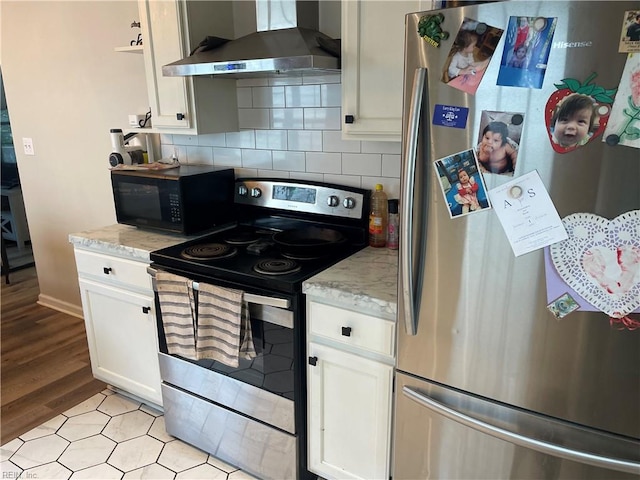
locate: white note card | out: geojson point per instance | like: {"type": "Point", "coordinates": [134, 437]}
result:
{"type": "Point", "coordinates": [527, 214]}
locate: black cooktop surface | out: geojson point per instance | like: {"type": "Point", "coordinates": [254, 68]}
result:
{"type": "Point", "coordinates": [246, 255]}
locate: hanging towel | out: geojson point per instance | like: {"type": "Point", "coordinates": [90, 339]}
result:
{"type": "Point", "coordinates": [177, 310]}
{"type": "Point", "coordinates": [223, 330]}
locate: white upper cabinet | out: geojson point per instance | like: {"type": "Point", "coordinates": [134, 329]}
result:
{"type": "Point", "coordinates": [171, 29]}
{"type": "Point", "coordinates": [372, 67]}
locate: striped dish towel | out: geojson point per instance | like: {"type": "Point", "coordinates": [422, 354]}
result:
{"type": "Point", "coordinates": [224, 330]}
{"type": "Point", "coordinates": [177, 310]}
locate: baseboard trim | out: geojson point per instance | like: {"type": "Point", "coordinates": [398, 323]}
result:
{"type": "Point", "coordinates": [59, 305]}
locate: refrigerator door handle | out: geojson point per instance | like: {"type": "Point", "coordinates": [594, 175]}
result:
{"type": "Point", "coordinates": [520, 440]}
{"type": "Point", "coordinates": [410, 149]}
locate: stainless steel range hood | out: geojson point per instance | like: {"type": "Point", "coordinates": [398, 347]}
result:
{"type": "Point", "coordinates": [287, 41]}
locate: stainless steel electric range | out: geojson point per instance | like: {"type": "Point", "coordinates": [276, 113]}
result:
{"type": "Point", "coordinates": [254, 415]}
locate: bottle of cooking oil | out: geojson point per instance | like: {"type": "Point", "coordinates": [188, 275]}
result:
{"type": "Point", "coordinates": [378, 218]}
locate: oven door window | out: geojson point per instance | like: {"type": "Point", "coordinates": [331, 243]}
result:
{"type": "Point", "coordinates": [273, 367]}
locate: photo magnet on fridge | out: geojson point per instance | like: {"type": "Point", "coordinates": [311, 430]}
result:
{"type": "Point", "coordinates": [498, 141]}
{"type": "Point", "coordinates": [577, 112]}
{"type": "Point", "coordinates": [470, 55]}
{"type": "Point", "coordinates": [450, 116]}
{"type": "Point", "coordinates": [630, 35]}
{"type": "Point", "coordinates": [623, 127]}
{"type": "Point", "coordinates": [526, 51]}
{"type": "Point", "coordinates": [462, 184]}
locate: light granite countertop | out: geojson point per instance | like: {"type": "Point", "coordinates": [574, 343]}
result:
{"type": "Point", "coordinates": [367, 280]}
{"type": "Point", "coordinates": [125, 241]}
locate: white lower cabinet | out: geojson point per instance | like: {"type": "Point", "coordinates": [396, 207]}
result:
{"type": "Point", "coordinates": [349, 387]}
{"type": "Point", "coordinates": [119, 314]}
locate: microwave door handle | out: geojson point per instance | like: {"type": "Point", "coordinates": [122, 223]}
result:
{"type": "Point", "coordinates": [407, 295]}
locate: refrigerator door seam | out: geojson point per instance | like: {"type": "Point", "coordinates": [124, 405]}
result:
{"type": "Point", "coordinates": [410, 151]}
{"type": "Point", "coordinates": [626, 466]}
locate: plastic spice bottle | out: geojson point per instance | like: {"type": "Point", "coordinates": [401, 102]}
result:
{"type": "Point", "coordinates": [393, 231]}
{"type": "Point", "coordinates": [378, 218]}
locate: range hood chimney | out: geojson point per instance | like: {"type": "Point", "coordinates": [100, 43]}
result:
{"type": "Point", "coordinates": [287, 42]}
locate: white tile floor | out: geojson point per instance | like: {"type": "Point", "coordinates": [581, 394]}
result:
{"type": "Point", "coordinates": [109, 436]}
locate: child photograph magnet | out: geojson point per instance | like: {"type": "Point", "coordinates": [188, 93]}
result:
{"type": "Point", "coordinates": [462, 184]}
{"type": "Point", "coordinates": [577, 112]}
{"type": "Point", "coordinates": [470, 55]}
{"type": "Point", "coordinates": [498, 141]}
{"type": "Point", "coordinates": [526, 51]}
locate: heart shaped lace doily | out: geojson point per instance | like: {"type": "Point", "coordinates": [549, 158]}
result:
{"type": "Point", "coordinates": [600, 260]}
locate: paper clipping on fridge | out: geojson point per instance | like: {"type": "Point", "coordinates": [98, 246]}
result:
{"type": "Point", "coordinates": [527, 214]}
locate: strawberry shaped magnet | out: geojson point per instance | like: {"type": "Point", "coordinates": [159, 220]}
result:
{"type": "Point", "coordinates": [577, 113]}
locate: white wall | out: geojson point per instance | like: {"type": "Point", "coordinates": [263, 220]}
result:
{"type": "Point", "coordinates": [66, 87]}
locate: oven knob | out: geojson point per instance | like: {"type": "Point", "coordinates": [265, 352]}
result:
{"type": "Point", "coordinates": [242, 191]}
{"type": "Point", "coordinates": [333, 201]}
{"type": "Point", "coordinates": [349, 202]}
{"type": "Point", "coordinates": [256, 192]}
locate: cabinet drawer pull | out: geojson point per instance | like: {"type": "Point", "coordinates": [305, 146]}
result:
{"type": "Point", "coordinates": [107, 270]}
{"type": "Point", "coordinates": [346, 331]}
{"type": "Point", "coordinates": [146, 309]}
{"type": "Point", "coordinates": [313, 361]}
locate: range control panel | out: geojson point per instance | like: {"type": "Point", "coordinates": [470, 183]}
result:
{"type": "Point", "coordinates": [283, 194]}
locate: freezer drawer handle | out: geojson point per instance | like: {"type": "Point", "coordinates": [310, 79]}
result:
{"type": "Point", "coordinates": [520, 440]}
{"type": "Point", "coordinates": [346, 331]}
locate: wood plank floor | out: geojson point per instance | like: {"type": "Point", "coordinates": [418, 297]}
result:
{"type": "Point", "coordinates": [45, 366]}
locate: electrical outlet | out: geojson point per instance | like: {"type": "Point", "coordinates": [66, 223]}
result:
{"type": "Point", "coordinates": [27, 143]}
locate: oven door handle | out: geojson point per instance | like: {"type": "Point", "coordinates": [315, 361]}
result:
{"type": "Point", "coordinates": [249, 297]}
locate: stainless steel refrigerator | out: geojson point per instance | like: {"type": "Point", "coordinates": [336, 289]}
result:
{"type": "Point", "coordinates": [490, 384]}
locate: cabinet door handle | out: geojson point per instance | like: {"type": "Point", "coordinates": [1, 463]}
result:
{"type": "Point", "coordinates": [346, 331]}
{"type": "Point", "coordinates": [146, 309]}
{"type": "Point", "coordinates": [180, 116]}
{"type": "Point", "coordinates": [107, 270]}
{"type": "Point", "coordinates": [349, 119]}
{"type": "Point", "coordinates": [313, 361]}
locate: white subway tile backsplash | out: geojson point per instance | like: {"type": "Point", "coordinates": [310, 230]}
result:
{"type": "Point", "coordinates": [252, 82]}
{"type": "Point", "coordinates": [271, 139]}
{"type": "Point", "coordinates": [362, 164]}
{"type": "Point", "coordinates": [305, 140]}
{"type": "Point", "coordinates": [283, 80]}
{"type": "Point", "coordinates": [287, 118]}
{"type": "Point", "coordinates": [320, 79]}
{"type": "Point", "coordinates": [253, 118]}
{"type": "Point", "coordinates": [307, 177]}
{"type": "Point", "coordinates": [185, 139]}
{"type": "Point", "coordinates": [257, 159]}
{"type": "Point", "coordinates": [212, 140]}
{"type": "Point", "coordinates": [324, 162]}
{"type": "Point", "coordinates": [391, 165]}
{"type": "Point", "coordinates": [199, 156]}
{"type": "Point", "coordinates": [332, 142]}
{"type": "Point", "coordinates": [242, 139]}
{"type": "Point", "coordinates": [331, 95]}
{"type": "Point", "coordinates": [291, 161]}
{"type": "Point", "coordinates": [322, 118]}
{"type": "Point", "coordinates": [245, 97]}
{"type": "Point", "coordinates": [290, 127]}
{"type": "Point", "coordinates": [381, 147]}
{"type": "Point", "coordinates": [302, 96]}
{"type": "Point", "coordinates": [349, 180]}
{"type": "Point", "coordinates": [231, 157]}
{"type": "Point", "coordinates": [268, 97]}
{"type": "Point", "coordinates": [391, 185]}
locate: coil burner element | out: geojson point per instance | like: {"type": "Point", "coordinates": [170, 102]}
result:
{"type": "Point", "coordinates": [276, 266]}
{"type": "Point", "coordinates": [208, 251]}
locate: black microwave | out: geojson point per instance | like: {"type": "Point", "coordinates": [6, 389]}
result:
{"type": "Point", "coordinates": [189, 199]}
